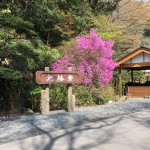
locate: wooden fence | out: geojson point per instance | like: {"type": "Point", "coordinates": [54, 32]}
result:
{"type": "Point", "coordinates": [138, 91]}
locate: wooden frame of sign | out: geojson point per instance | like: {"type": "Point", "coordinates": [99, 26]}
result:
{"type": "Point", "coordinates": [52, 77]}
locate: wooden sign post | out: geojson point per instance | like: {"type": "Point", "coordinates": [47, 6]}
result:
{"type": "Point", "coordinates": [52, 77]}
{"type": "Point", "coordinates": [69, 94]}
{"type": "Point", "coordinates": [45, 101]}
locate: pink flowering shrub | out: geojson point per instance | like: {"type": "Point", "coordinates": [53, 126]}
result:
{"type": "Point", "coordinates": [92, 56]}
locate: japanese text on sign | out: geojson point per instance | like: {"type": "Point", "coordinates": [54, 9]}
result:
{"type": "Point", "coordinates": [51, 77]}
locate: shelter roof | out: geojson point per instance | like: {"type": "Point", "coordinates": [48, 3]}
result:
{"type": "Point", "coordinates": [137, 59]}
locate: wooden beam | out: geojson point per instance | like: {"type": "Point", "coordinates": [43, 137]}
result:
{"type": "Point", "coordinates": [146, 51]}
{"type": "Point", "coordinates": [135, 65]}
{"type": "Point", "coordinates": [128, 57]}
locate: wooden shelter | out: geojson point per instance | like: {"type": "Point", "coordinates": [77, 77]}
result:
{"type": "Point", "coordinates": [138, 59]}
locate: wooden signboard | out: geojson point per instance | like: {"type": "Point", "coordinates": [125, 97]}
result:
{"type": "Point", "coordinates": [53, 77]}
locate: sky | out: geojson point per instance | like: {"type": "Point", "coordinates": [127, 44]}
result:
{"type": "Point", "coordinates": [143, 0]}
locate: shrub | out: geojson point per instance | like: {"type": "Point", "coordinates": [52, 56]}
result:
{"type": "Point", "coordinates": [92, 56]}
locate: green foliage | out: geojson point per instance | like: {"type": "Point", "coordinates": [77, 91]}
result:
{"type": "Point", "coordinates": [146, 36]}
{"type": "Point", "coordinates": [138, 76]}
{"type": "Point", "coordinates": [103, 100]}
{"type": "Point", "coordinates": [89, 96]}
{"type": "Point", "coordinates": [53, 21]}
{"type": "Point", "coordinates": [10, 100]}
{"type": "Point", "coordinates": [22, 53]}
{"type": "Point", "coordinates": [106, 6]}
{"type": "Point", "coordinates": [107, 28]}
{"type": "Point", "coordinates": [35, 95]}
{"type": "Point", "coordinates": [84, 96]}
{"type": "Point", "coordinates": [147, 32]}
{"type": "Point", "coordinates": [30, 33]}
{"type": "Point", "coordinates": [58, 97]}
{"type": "Point", "coordinates": [9, 74]}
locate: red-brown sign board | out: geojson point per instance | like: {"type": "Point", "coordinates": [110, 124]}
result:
{"type": "Point", "coordinates": [53, 77]}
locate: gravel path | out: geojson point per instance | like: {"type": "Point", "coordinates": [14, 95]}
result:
{"type": "Point", "coordinates": [20, 127]}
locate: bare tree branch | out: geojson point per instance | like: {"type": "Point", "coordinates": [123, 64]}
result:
{"type": "Point", "coordinates": [131, 10]}
{"type": "Point", "coordinates": [125, 3]}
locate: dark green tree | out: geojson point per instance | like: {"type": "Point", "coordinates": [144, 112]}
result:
{"type": "Point", "coordinates": [30, 30]}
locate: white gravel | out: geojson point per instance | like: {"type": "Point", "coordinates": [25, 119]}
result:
{"type": "Point", "coordinates": [20, 127]}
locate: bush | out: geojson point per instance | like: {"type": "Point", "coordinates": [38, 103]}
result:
{"type": "Point", "coordinates": [35, 95]}
{"type": "Point", "coordinates": [58, 96]}
{"type": "Point", "coordinates": [85, 96]}
{"type": "Point", "coordinates": [88, 96]}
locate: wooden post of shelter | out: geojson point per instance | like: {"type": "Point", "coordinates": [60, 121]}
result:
{"type": "Point", "coordinates": [45, 98]}
{"type": "Point", "coordinates": [120, 82]}
{"type": "Point", "coordinates": [131, 75]}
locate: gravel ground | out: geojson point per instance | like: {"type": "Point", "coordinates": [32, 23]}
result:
{"type": "Point", "coordinates": [20, 127]}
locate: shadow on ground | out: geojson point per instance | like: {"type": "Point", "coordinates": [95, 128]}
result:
{"type": "Point", "coordinates": [72, 134]}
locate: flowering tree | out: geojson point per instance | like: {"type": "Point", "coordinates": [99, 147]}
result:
{"type": "Point", "coordinates": [92, 56]}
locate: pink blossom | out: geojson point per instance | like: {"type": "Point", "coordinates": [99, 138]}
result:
{"type": "Point", "coordinates": [92, 56]}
